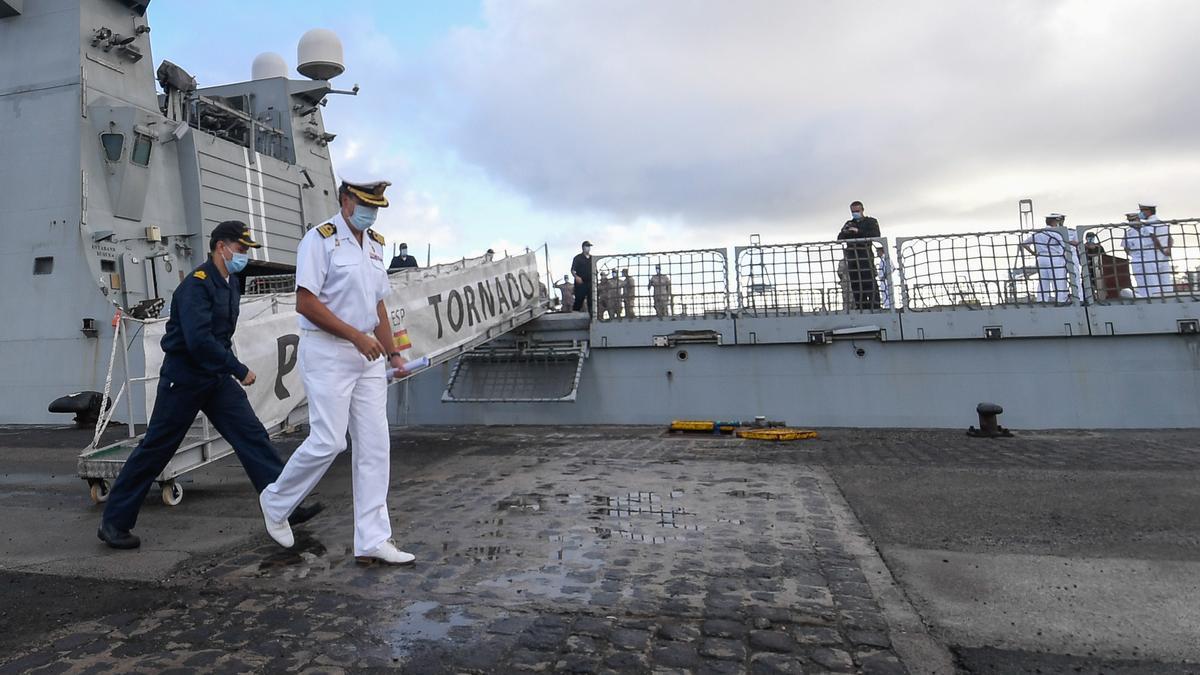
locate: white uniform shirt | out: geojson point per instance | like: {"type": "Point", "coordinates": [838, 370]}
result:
{"type": "Point", "coordinates": [1154, 226]}
{"type": "Point", "coordinates": [347, 278]}
{"type": "Point", "coordinates": [1048, 247]}
{"type": "Point", "coordinates": [1137, 243]}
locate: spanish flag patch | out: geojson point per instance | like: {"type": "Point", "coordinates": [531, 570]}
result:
{"type": "Point", "coordinates": [401, 340]}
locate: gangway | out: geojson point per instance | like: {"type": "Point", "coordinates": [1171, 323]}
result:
{"type": "Point", "coordinates": [100, 465]}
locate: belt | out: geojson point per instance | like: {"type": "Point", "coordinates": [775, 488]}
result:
{"type": "Point", "coordinates": [317, 332]}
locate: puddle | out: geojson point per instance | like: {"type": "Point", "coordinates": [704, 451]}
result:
{"type": "Point", "coordinates": [480, 553]}
{"type": "Point", "coordinates": [759, 495]}
{"type": "Point", "coordinates": [529, 503]}
{"type": "Point", "coordinates": [305, 552]}
{"type": "Point", "coordinates": [424, 621]}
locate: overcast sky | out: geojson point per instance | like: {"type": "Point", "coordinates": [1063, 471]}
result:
{"type": "Point", "coordinates": [680, 124]}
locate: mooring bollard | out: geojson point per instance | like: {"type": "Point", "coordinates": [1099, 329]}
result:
{"type": "Point", "coordinates": [989, 425]}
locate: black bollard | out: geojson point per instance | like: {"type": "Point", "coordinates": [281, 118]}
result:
{"type": "Point", "coordinates": [989, 425]}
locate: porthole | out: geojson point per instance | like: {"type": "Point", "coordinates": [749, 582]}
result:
{"type": "Point", "coordinates": [682, 355]}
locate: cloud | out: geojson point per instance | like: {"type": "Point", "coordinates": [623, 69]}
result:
{"type": "Point", "coordinates": [774, 115]}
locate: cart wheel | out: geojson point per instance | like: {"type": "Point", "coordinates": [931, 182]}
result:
{"type": "Point", "coordinates": [99, 491]}
{"type": "Point", "coordinates": [172, 493]}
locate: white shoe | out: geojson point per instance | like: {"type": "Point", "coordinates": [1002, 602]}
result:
{"type": "Point", "coordinates": [281, 532]}
{"type": "Point", "coordinates": [386, 553]}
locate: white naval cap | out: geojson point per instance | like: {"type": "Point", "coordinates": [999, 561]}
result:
{"type": "Point", "coordinates": [369, 192]}
{"type": "Point", "coordinates": [1147, 205]}
{"type": "Point", "coordinates": [1055, 216]}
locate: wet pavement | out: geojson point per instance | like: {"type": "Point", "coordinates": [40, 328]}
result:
{"type": "Point", "coordinates": [628, 550]}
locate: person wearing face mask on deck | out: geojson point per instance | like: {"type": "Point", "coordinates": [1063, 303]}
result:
{"type": "Point", "coordinates": [581, 267]}
{"type": "Point", "coordinates": [199, 373]}
{"type": "Point", "coordinates": [346, 346]}
{"type": "Point", "coordinates": [402, 260]}
{"type": "Point", "coordinates": [860, 258]}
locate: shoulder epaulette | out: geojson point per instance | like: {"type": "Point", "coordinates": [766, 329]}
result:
{"type": "Point", "coordinates": [376, 236]}
{"type": "Point", "coordinates": [200, 274]}
{"type": "Point", "coordinates": [327, 230]}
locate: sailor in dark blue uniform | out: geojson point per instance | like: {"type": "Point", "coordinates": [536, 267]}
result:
{"type": "Point", "coordinates": [199, 373]}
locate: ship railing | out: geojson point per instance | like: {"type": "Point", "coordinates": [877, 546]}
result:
{"type": "Point", "coordinates": [1123, 264]}
{"type": "Point", "coordinates": [989, 269]}
{"type": "Point", "coordinates": [814, 278]}
{"type": "Point", "coordinates": [664, 284]}
{"type": "Point", "coordinates": [269, 284]}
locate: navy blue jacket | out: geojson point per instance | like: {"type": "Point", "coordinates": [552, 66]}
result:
{"type": "Point", "coordinates": [199, 338]}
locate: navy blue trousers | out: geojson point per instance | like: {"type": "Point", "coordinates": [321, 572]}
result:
{"type": "Point", "coordinates": [224, 402]}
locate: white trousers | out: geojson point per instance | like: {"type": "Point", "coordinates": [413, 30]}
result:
{"type": "Point", "coordinates": [1151, 278]}
{"type": "Point", "coordinates": [345, 392]}
{"type": "Point", "coordinates": [1052, 283]}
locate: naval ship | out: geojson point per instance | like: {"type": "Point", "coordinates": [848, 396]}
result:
{"type": "Point", "coordinates": [115, 169]}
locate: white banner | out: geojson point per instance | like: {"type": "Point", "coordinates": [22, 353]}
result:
{"type": "Point", "coordinates": [437, 310]}
{"type": "Point", "coordinates": [434, 312]}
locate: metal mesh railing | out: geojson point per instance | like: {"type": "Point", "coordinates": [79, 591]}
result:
{"type": "Point", "coordinates": [671, 284]}
{"type": "Point", "coordinates": [989, 269]}
{"type": "Point", "coordinates": [271, 283]}
{"type": "Point", "coordinates": [1127, 261]}
{"type": "Point", "coordinates": [816, 278]}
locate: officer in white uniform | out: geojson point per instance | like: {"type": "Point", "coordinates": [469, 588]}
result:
{"type": "Point", "coordinates": [1049, 248]}
{"type": "Point", "coordinates": [1148, 243]}
{"type": "Point", "coordinates": [1159, 272]}
{"type": "Point", "coordinates": [341, 283]}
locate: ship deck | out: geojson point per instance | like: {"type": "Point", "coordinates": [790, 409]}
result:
{"type": "Point", "coordinates": [594, 549]}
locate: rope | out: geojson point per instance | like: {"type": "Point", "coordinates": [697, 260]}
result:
{"type": "Point", "coordinates": [102, 422]}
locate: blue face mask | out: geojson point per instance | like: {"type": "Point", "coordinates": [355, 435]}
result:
{"type": "Point", "coordinates": [857, 215]}
{"type": "Point", "coordinates": [237, 263]}
{"type": "Point", "coordinates": [363, 217]}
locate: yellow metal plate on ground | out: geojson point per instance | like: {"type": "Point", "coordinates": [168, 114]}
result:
{"type": "Point", "coordinates": [698, 425]}
{"type": "Point", "coordinates": [777, 434]}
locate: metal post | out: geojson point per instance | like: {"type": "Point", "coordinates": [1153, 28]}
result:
{"type": "Point", "coordinates": [899, 265]}
{"type": "Point", "coordinates": [1025, 214]}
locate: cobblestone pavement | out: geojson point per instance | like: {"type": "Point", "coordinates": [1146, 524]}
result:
{"type": "Point", "coordinates": [566, 552]}
{"type": "Point", "coordinates": [577, 550]}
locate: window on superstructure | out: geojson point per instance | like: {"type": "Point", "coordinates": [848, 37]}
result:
{"type": "Point", "coordinates": [113, 145]}
{"type": "Point", "coordinates": [43, 265]}
{"type": "Point", "coordinates": [141, 150]}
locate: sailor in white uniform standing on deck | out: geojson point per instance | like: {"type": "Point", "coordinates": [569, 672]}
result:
{"type": "Point", "coordinates": [1148, 243]}
{"type": "Point", "coordinates": [1049, 248]}
{"type": "Point", "coordinates": [341, 283]}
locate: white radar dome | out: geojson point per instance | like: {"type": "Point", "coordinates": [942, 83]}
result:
{"type": "Point", "coordinates": [319, 55]}
{"type": "Point", "coordinates": [268, 65]}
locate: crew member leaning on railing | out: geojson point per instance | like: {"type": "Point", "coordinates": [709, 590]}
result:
{"type": "Point", "coordinates": [860, 258]}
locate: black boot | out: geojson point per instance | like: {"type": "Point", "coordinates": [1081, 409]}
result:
{"type": "Point", "coordinates": [117, 538]}
{"type": "Point", "coordinates": [304, 513]}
